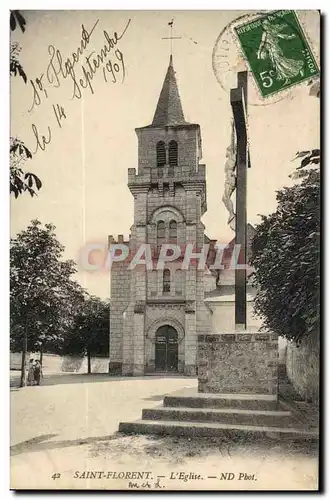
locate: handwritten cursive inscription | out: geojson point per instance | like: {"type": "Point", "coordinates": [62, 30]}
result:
{"type": "Point", "coordinates": [41, 141]}
{"type": "Point", "coordinates": [80, 67]}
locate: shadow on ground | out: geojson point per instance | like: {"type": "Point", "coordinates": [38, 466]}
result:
{"type": "Point", "coordinates": [41, 443]}
{"type": "Point", "coordinates": [81, 378]}
{"type": "Point", "coordinates": [30, 443]}
{"type": "Point", "coordinates": [174, 450]}
{"type": "Point", "coordinates": [177, 450]}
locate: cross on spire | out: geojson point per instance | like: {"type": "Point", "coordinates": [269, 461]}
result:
{"type": "Point", "coordinates": [171, 37]}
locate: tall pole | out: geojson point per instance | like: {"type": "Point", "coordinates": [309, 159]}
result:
{"type": "Point", "coordinates": [238, 99]}
{"type": "Point", "coordinates": [242, 82]}
{"type": "Point", "coordinates": [24, 355]}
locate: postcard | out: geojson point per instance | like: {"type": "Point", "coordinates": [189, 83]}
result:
{"type": "Point", "coordinates": [164, 253]}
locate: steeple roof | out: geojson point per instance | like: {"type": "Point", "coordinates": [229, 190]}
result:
{"type": "Point", "coordinates": [169, 108]}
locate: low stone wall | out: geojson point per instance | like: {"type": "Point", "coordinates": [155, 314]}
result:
{"type": "Point", "coordinates": [80, 365]}
{"type": "Point", "coordinates": [303, 367]}
{"type": "Point", "coordinates": [238, 362]}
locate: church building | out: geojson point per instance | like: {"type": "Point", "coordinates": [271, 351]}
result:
{"type": "Point", "coordinates": [157, 314]}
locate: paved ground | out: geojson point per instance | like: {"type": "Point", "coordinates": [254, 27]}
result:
{"type": "Point", "coordinates": [68, 426]}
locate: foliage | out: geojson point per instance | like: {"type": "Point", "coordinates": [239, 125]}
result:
{"type": "Point", "coordinates": [90, 330]}
{"type": "Point", "coordinates": [20, 181]}
{"type": "Point", "coordinates": [43, 297]}
{"type": "Point", "coordinates": [15, 66]}
{"type": "Point", "coordinates": [16, 18]}
{"type": "Point", "coordinates": [286, 255]}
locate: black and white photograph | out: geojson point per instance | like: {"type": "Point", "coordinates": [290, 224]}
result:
{"type": "Point", "coordinates": [165, 250]}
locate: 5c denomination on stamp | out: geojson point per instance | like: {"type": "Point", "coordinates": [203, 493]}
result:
{"type": "Point", "coordinates": [277, 51]}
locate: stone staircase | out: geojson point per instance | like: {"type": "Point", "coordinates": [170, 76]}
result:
{"type": "Point", "coordinates": [189, 413]}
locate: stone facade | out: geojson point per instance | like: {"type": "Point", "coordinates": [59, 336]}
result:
{"type": "Point", "coordinates": [158, 313]}
{"type": "Point", "coordinates": [169, 201]}
{"type": "Point", "coordinates": [238, 363]}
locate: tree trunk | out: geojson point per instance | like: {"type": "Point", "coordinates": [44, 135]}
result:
{"type": "Point", "coordinates": [89, 364]}
{"type": "Point", "coordinates": [24, 352]}
{"type": "Point", "coordinates": [41, 353]}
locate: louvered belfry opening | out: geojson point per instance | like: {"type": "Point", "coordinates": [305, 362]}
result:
{"type": "Point", "coordinates": [161, 154]}
{"type": "Point", "coordinates": [173, 153]}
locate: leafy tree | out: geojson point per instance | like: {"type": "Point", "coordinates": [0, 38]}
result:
{"type": "Point", "coordinates": [16, 18]}
{"type": "Point", "coordinates": [90, 333]}
{"type": "Point", "coordinates": [20, 181]}
{"type": "Point", "coordinates": [285, 255]}
{"type": "Point", "coordinates": [43, 297]}
{"type": "Point", "coordinates": [15, 66]}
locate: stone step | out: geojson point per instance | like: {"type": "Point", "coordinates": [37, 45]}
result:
{"type": "Point", "coordinates": [207, 400]}
{"type": "Point", "coordinates": [192, 429]}
{"type": "Point", "coordinates": [222, 415]}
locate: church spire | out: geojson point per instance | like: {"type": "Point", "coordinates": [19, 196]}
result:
{"type": "Point", "coordinates": [169, 108]}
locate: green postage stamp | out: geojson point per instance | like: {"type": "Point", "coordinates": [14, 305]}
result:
{"type": "Point", "coordinates": [277, 51]}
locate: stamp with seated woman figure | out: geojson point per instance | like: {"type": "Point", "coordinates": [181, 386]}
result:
{"type": "Point", "coordinates": [277, 51]}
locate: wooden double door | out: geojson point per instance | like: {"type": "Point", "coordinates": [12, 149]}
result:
{"type": "Point", "coordinates": [166, 349]}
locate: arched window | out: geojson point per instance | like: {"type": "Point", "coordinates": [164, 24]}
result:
{"type": "Point", "coordinates": [173, 230]}
{"type": "Point", "coordinates": [161, 154]}
{"type": "Point", "coordinates": [173, 153]}
{"type": "Point", "coordinates": [166, 281]}
{"type": "Point", "coordinates": [178, 282]}
{"type": "Point", "coordinates": [160, 233]}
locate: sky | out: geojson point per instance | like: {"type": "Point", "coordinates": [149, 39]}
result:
{"type": "Point", "coordinates": [84, 166]}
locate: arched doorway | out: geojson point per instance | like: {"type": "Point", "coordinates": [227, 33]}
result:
{"type": "Point", "coordinates": [166, 349]}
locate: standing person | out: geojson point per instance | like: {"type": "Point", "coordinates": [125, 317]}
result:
{"type": "Point", "coordinates": [30, 377]}
{"type": "Point", "coordinates": [37, 372]}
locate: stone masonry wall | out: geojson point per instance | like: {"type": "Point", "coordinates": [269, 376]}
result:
{"type": "Point", "coordinates": [120, 290]}
{"type": "Point", "coordinates": [138, 299]}
{"type": "Point", "coordinates": [303, 367]}
{"type": "Point", "coordinates": [238, 363]}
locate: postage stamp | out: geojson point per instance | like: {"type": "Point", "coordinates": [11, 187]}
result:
{"type": "Point", "coordinates": [142, 354]}
{"type": "Point", "coordinates": [277, 51]}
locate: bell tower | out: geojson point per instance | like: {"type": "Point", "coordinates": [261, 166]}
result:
{"type": "Point", "coordinates": [165, 306]}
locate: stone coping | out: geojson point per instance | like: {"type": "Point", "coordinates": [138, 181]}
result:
{"type": "Point", "coordinates": [238, 337]}
{"type": "Point", "coordinates": [227, 298]}
{"type": "Point", "coordinates": [192, 392]}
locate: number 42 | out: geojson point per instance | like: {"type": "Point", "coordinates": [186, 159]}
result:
{"type": "Point", "coordinates": [266, 78]}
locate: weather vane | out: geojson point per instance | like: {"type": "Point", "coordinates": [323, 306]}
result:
{"type": "Point", "coordinates": [171, 37]}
